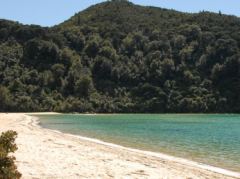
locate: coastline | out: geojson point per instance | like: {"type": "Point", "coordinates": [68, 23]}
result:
{"type": "Point", "coordinates": [76, 156]}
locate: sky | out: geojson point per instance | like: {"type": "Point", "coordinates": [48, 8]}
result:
{"type": "Point", "coordinates": [52, 12]}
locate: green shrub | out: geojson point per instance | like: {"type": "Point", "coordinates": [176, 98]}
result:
{"type": "Point", "coordinates": [8, 169]}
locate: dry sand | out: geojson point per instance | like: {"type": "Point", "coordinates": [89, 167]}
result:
{"type": "Point", "coordinates": [45, 153]}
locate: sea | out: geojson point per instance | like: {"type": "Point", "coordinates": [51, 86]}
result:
{"type": "Point", "coordinates": [212, 139]}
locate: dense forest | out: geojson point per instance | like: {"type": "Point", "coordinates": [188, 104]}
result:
{"type": "Point", "coordinates": [120, 57]}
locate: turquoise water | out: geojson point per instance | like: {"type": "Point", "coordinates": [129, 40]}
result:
{"type": "Point", "coordinates": [210, 139]}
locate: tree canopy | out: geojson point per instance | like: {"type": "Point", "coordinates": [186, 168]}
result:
{"type": "Point", "coordinates": [120, 57]}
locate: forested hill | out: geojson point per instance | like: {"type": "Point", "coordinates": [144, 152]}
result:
{"type": "Point", "coordinates": [120, 57]}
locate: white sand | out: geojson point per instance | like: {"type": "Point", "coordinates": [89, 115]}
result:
{"type": "Point", "coordinates": [45, 153]}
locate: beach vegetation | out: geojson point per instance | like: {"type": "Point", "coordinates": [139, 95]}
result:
{"type": "Point", "coordinates": [8, 168]}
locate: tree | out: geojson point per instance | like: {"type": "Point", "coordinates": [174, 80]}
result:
{"type": "Point", "coordinates": [92, 46]}
{"type": "Point", "coordinates": [58, 70]}
{"type": "Point", "coordinates": [4, 98]}
{"type": "Point", "coordinates": [84, 86]}
{"type": "Point", "coordinates": [102, 68]}
{"type": "Point", "coordinates": [40, 53]}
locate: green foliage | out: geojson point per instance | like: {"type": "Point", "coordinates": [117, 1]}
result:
{"type": "Point", "coordinates": [84, 86]}
{"type": "Point", "coordinates": [120, 57]}
{"type": "Point", "coordinates": [4, 98]}
{"type": "Point", "coordinates": [39, 53]}
{"type": "Point", "coordinates": [8, 168]}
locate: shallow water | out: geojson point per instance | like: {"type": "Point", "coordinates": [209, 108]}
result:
{"type": "Point", "coordinates": [211, 139]}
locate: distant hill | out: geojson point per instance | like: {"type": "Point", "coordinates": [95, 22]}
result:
{"type": "Point", "coordinates": [120, 57]}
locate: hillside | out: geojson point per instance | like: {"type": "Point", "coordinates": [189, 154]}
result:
{"type": "Point", "coordinates": [120, 57]}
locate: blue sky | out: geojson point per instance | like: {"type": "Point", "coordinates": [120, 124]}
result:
{"type": "Point", "coordinates": [52, 12]}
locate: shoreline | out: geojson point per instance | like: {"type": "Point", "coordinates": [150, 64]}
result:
{"type": "Point", "coordinates": [184, 161]}
{"type": "Point", "coordinates": [155, 154]}
{"type": "Point", "coordinates": [171, 167]}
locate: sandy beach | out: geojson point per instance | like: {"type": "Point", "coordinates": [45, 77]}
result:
{"type": "Point", "coordinates": [44, 153]}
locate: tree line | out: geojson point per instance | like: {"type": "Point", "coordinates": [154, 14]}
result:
{"type": "Point", "coordinates": [120, 57]}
